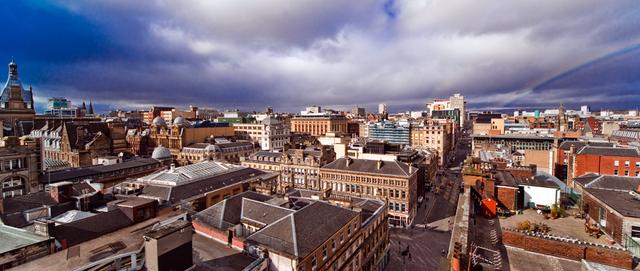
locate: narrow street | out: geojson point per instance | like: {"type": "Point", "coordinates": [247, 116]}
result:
{"type": "Point", "coordinates": [430, 234]}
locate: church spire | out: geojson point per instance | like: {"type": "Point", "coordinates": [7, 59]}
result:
{"type": "Point", "coordinates": [13, 70]}
{"type": "Point", "coordinates": [90, 107]}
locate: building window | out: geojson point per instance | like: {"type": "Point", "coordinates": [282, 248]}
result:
{"type": "Point", "coordinates": [333, 245]}
{"type": "Point", "coordinates": [616, 163]}
{"type": "Point", "coordinates": [626, 173]}
{"type": "Point", "coordinates": [324, 252]}
{"type": "Point", "coordinates": [635, 231]}
{"type": "Point", "coordinates": [402, 207]}
{"type": "Point", "coordinates": [627, 163]}
{"type": "Point", "coordinates": [314, 262]}
{"type": "Point", "coordinates": [615, 172]}
{"type": "Point", "coordinates": [637, 163]}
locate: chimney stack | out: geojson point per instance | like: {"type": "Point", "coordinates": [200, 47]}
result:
{"type": "Point", "coordinates": [348, 161]}
{"type": "Point", "coordinates": [61, 192]}
{"type": "Point", "coordinates": [379, 164]}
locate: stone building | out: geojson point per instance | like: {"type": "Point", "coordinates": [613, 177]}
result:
{"type": "Point", "coordinates": [434, 135]}
{"type": "Point", "coordinates": [139, 141]}
{"type": "Point", "coordinates": [182, 133]}
{"type": "Point", "coordinates": [270, 133]}
{"type": "Point", "coordinates": [19, 168]}
{"type": "Point", "coordinates": [392, 181]}
{"type": "Point", "coordinates": [78, 144]}
{"type": "Point", "coordinates": [319, 124]}
{"type": "Point", "coordinates": [16, 106]}
{"type": "Point", "coordinates": [300, 168]}
{"type": "Point", "coordinates": [230, 152]}
{"type": "Point", "coordinates": [264, 160]}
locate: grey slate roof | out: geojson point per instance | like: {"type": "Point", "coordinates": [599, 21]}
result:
{"type": "Point", "coordinates": [609, 151]}
{"type": "Point", "coordinates": [614, 191]}
{"type": "Point", "coordinates": [227, 213]}
{"type": "Point", "coordinates": [586, 178]}
{"type": "Point", "coordinates": [393, 168]}
{"type": "Point", "coordinates": [300, 233]}
{"type": "Point", "coordinates": [260, 213]}
{"type": "Point", "coordinates": [621, 201]}
{"type": "Point", "coordinates": [86, 172]}
{"type": "Point", "coordinates": [27, 202]}
{"type": "Point", "coordinates": [91, 227]}
{"type": "Point", "coordinates": [565, 145]}
{"type": "Point", "coordinates": [610, 182]}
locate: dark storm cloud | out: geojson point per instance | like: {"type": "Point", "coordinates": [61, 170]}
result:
{"type": "Point", "coordinates": [249, 54]}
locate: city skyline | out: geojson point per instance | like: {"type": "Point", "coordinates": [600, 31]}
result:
{"type": "Point", "coordinates": [403, 54]}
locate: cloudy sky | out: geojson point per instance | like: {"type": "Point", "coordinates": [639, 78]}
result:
{"type": "Point", "coordinates": [249, 54]}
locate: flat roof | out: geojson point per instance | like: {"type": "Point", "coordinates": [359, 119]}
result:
{"type": "Point", "coordinates": [130, 237]}
{"type": "Point", "coordinates": [15, 238]}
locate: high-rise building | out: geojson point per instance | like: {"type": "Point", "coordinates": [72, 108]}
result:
{"type": "Point", "coordinates": [457, 102]}
{"type": "Point", "coordinates": [382, 109]}
{"type": "Point", "coordinates": [389, 132]}
{"type": "Point", "coordinates": [358, 111]}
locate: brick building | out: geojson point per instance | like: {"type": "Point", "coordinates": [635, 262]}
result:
{"type": "Point", "coordinates": [618, 161]}
{"type": "Point", "coordinates": [613, 204]}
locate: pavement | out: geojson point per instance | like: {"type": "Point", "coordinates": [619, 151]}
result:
{"type": "Point", "coordinates": [430, 233]}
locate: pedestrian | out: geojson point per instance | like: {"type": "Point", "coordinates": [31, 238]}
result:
{"type": "Point", "coordinates": [442, 252]}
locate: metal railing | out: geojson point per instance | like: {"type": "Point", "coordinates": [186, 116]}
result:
{"type": "Point", "coordinates": [631, 245]}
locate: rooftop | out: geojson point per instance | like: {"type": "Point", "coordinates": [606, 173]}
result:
{"type": "Point", "coordinates": [14, 238]}
{"type": "Point", "coordinates": [301, 232]}
{"type": "Point", "coordinates": [622, 201]}
{"type": "Point", "coordinates": [609, 151]}
{"type": "Point", "coordinates": [227, 213]}
{"type": "Point", "coordinates": [75, 173]}
{"type": "Point", "coordinates": [393, 168]}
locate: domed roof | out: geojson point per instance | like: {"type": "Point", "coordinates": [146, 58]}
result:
{"type": "Point", "coordinates": [180, 121]}
{"type": "Point", "coordinates": [158, 121]}
{"type": "Point", "coordinates": [161, 153]}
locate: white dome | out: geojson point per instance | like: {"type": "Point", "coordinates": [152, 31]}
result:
{"type": "Point", "coordinates": [161, 153]}
{"type": "Point", "coordinates": [158, 121]}
{"type": "Point", "coordinates": [180, 121]}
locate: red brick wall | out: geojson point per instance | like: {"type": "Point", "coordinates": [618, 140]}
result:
{"type": "Point", "coordinates": [545, 246]}
{"type": "Point", "coordinates": [617, 258]}
{"type": "Point", "coordinates": [507, 196]}
{"type": "Point", "coordinates": [613, 226]}
{"type": "Point", "coordinates": [217, 234]}
{"type": "Point", "coordinates": [586, 163]}
{"type": "Point", "coordinates": [569, 250]}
